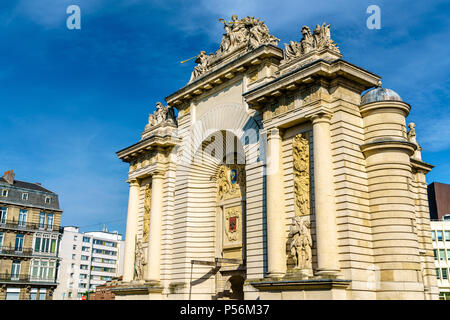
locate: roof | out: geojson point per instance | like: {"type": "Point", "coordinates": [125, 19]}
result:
{"type": "Point", "coordinates": [380, 94]}
{"type": "Point", "coordinates": [25, 185]}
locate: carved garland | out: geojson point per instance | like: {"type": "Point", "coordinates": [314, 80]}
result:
{"type": "Point", "coordinates": [147, 206]}
{"type": "Point", "coordinates": [301, 166]}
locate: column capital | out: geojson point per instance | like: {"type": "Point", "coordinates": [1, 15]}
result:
{"type": "Point", "coordinates": [133, 182]}
{"type": "Point", "coordinates": [320, 115]}
{"type": "Point", "coordinates": [158, 174]}
{"type": "Point", "coordinates": [274, 133]}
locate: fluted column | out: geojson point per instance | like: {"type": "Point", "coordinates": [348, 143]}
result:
{"type": "Point", "coordinates": [154, 239]}
{"type": "Point", "coordinates": [128, 268]}
{"type": "Point", "coordinates": [276, 243]}
{"type": "Point", "coordinates": [324, 196]}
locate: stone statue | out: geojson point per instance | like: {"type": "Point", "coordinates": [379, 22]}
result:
{"type": "Point", "coordinates": [162, 115]}
{"type": "Point", "coordinates": [202, 65]}
{"type": "Point", "coordinates": [318, 40]}
{"type": "Point", "coordinates": [301, 243]}
{"type": "Point", "coordinates": [139, 261]}
{"type": "Point", "coordinates": [412, 138]}
{"type": "Point", "coordinates": [248, 33]}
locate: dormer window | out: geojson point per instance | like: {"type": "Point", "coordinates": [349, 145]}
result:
{"type": "Point", "coordinates": [48, 199]}
{"type": "Point", "coordinates": [25, 196]}
{"type": "Point", "coordinates": [4, 193]}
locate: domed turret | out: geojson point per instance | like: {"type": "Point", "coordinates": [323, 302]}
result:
{"type": "Point", "coordinates": [380, 94]}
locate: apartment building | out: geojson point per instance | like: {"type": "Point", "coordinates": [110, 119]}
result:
{"type": "Point", "coordinates": [88, 260]}
{"type": "Point", "coordinates": [30, 233]}
{"type": "Point", "coordinates": [440, 234]}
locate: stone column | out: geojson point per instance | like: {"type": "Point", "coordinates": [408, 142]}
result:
{"type": "Point", "coordinates": [154, 239]}
{"type": "Point", "coordinates": [128, 266]}
{"type": "Point", "coordinates": [276, 242]}
{"type": "Point", "coordinates": [324, 197]}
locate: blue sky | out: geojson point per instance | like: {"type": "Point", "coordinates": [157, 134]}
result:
{"type": "Point", "coordinates": [70, 99]}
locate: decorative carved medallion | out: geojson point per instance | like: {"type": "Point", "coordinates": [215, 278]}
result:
{"type": "Point", "coordinates": [230, 181]}
{"type": "Point", "coordinates": [233, 223]}
{"type": "Point", "coordinates": [147, 206]}
{"type": "Point", "coordinates": [301, 167]}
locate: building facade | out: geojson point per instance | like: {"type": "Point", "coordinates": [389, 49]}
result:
{"type": "Point", "coordinates": [282, 177]}
{"type": "Point", "coordinates": [440, 234]}
{"type": "Point", "coordinates": [30, 233]}
{"type": "Point", "coordinates": [439, 200]}
{"type": "Point", "coordinates": [88, 260]}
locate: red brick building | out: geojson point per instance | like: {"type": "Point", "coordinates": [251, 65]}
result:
{"type": "Point", "coordinates": [104, 292]}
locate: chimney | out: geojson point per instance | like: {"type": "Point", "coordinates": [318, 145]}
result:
{"type": "Point", "coordinates": [9, 176]}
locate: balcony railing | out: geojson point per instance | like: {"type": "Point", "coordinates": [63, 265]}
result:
{"type": "Point", "coordinates": [29, 226]}
{"type": "Point", "coordinates": [15, 252]}
{"type": "Point", "coordinates": [8, 277]}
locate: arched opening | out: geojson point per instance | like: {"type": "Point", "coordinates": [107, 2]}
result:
{"type": "Point", "coordinates": [222, 156]}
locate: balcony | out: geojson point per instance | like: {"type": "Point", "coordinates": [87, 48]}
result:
{"type": "Point", "coordinates": [25, 279]}
{"type": "Point", "coordinates": [13, 252]}
{"type": "Point", "coordinates": [29, 226]}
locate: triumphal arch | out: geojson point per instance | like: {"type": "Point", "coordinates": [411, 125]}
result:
{"type": "Point", "coordinates": [277, 173]}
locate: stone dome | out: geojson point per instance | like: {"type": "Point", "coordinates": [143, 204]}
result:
{"type": "Point", "coordinates": [380, 94]}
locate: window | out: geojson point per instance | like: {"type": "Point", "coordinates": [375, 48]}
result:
{"type": "Point", "coordinates": [4, 192]}
{"type": "Point", "coordinates": [86, 239]}
{"type": "Point", "coordinates": [83, 276]}
{"type": "Point", "coordinates": [447, 235]}
{"type": "Point", "coordinates": [442, 254]}
{"type": "Point", "coordinates": [50, 221]}
{"type": "Point", "coordinates": [439, 235]}
{"type": "Point", "coordinates": [74, 247]}
{"type": "Point", "coordinates": [22, 217]}
{"type": "Point", "coordinates": [74, 256]}
{"type": "Point", "coordinates": [15, 270]}
{"type": "Point", "coordinates": [75, 238]}
{"type": "Point", "coordinates": [48, 200]}
{"type": "Point", "coordinates": [18, 247]}
{"type": "Point", "coordinates": [448, 254]}
{"type": "Point", "coordinates": [1, 239]}
{"type": "Point", "coordinates": [433, 235]}
{"type": "Point", "coordinates": [43, 270]}
{"type": "Point", "coordinates": [444, 295]}
{"type": "Point", "coordinates": [82, 285]}
{"type": "Point", "coordinates": [45, 243]}
{"type": "Point", "coordinates": [438, 274]}
{"type": "Point", "coordinates": [84, 267]}
{"type": "Point", "coordinates": [25, 196]}
{"type": "Point", "coordinates": [435, 254]}
{"type": "Point", "coordinates": [3, 213]}
{"type": "Point", "coordinates": [86, 249]}
{"type": "Point", "coordinates": [444, 274]}
{"type": "Point", "coordinates": [84, 257]}
{"type": "Point", "coordinates": [41, 220]}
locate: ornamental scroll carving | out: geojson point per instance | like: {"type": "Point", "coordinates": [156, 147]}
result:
{"type": "Point", "coordinates": [319, 39]}
{"type": "Point", "coordinates": [230, 181]}
{"type": "Point", "coordinates": [301, 170]}
{"type": "Point", "coordinates": [147, 206]}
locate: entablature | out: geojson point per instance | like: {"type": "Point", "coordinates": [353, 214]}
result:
{"type": "Point", "coordinates": [226, 72]}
